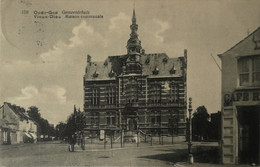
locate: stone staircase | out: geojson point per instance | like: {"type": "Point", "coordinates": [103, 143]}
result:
{"type": "Point", "coordinates": [130, 137]}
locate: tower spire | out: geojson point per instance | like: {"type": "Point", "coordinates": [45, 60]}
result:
{"type": "Point", "coordinates": [134, 17]}
{"type": "Point", "coordinates": [134, 44]}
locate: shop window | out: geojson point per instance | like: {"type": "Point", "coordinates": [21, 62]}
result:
{"type": "Point", "coordinates": [249, 71]}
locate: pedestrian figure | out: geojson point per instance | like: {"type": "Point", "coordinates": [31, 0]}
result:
{"type": "Point", "coordinates": [82, 141]}
{"type": "Point", "coordinates": [72, 142]}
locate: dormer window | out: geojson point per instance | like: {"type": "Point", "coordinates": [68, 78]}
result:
{"type": "Point", "coordinates": [95, 75]}
{"type": "Point", "coordinates": [173, 71]}
{"type": "Point", "coordinates": [111, 74]}
{"type": "Point", "coordinates": [165, 60]}
{"type": "Point", "coordinates": [156, 71]}
{"type": "Point", "coordinates": [147, 61]}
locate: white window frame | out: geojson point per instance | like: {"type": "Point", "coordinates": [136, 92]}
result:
{"type": "Point", "coordinates": [250, 73]}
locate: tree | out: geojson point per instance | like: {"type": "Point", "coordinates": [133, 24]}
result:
{"type": "Point", "coordinates": [173, 124]}
{"type": "Point", "coordinates": [200, 123]}
{"type": "Point", "coordinates": [18, 108]}
{"type": "Point", "coordinates": [60, 130]}
{"type": "Point", "coordinates": [43, 125]}
{"type": "Point", "coordinates": [76, 122]}
{"type": "Point", "coordinates": [34, 113]}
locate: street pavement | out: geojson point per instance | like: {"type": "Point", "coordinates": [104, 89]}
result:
{"type": "Point", "coordinates": [56, 153]}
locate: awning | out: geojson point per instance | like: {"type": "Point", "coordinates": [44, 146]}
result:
{"type": "Point", "coordinates": [33, 135]}
{"type": "Point", "coordinates": [28, 135]}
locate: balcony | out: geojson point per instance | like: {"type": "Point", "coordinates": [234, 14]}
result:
{"type": "Point", "coordinates": [135, 105]}
{"type": "Point", "coordinates": [100, 106]}
{"type": "Point", "coordinates": [161, 104]}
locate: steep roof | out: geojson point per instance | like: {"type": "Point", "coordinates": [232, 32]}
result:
{"type": "Point", "coordinates": [250, 45]}
{"type": "Point", "coordinates": [166, 67]}
{"type": "Point", "coordinates": [162, 63]}
{"type": "Point", "coordinates": [99, 70]}
{"type": "Point", "coordinates": [18, 111]}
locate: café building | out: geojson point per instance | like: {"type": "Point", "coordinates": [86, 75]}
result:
{"type": "Point", "coordinates": [240, 116]}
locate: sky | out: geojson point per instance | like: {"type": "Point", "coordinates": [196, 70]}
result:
{"type": "Point", "coordinates": [43, 60]}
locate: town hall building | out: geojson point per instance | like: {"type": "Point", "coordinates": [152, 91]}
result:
{"type": "Point", "coordinates": [136, 91]}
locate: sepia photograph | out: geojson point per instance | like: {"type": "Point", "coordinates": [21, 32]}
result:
{"type": "Point", "coordinates": [130, 83]}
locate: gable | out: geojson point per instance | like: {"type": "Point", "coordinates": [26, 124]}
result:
{"type": "Point", "coordinates": [247, 47]}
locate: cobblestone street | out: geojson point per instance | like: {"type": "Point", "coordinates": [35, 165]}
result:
{"type": "Point", "coordinates": [57, 154]}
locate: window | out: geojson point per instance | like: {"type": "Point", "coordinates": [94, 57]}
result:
{"type": "Point", "coordinates": [155, 118]}
{"type": "Point", "coordinates": [95, 96]}
{"type": "Point", "coordinates": [256, 69]}
{"type": "Point", "coordinates": [111, 95]}
{"type": "Point", "coordinates": [94, 119]}
{"type": "Point", "coordinates": [132, 90]}
{"type": "Point", "coordinates": [244, 71]}
{"type": "Point", "coordinates": [249, 71]}
{"type": "Point", "coordinates": [156, 93]}
{"type": "Point", "coordinates": [174, 93]}
{"type": "Point", "coordinates": [111, 119]}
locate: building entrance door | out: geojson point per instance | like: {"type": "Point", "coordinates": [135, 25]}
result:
{"type": "Point", "coordinates": [132, 124]}
{"type": "Point", "coordinates": [248, 134]}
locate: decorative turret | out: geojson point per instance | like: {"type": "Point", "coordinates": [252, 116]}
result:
{"type": "Point", "coordinates": [134, 44]}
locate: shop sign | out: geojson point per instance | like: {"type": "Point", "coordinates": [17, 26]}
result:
{"type": "Point", "coordinates": [229, 98]}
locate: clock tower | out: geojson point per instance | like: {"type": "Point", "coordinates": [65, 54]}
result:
{"type": "Point", "coordinates": [134, 50]}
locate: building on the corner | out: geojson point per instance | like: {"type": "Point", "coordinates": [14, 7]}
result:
{"type": "Point", "coordinates": [16, 126]}
{"type": "Point", "coordinates": [241, 101]}
{"type": "Point", "coordinates": [136, 91]}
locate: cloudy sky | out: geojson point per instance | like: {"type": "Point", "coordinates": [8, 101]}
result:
{"type": "Point", "coordinates": [42, 61]}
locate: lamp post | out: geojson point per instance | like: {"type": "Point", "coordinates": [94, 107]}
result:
{"type": "Point", "coordinates": [190, 156]}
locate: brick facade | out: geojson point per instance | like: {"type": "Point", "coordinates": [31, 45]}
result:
{"type": "Point", "coordinates": [136, 91]}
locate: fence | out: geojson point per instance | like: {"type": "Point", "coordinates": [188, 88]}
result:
{"type": "Point", "coordinates": [120, 139]}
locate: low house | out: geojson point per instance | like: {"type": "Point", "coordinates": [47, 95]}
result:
{"type": "Point", "coordinates": [15, 125]}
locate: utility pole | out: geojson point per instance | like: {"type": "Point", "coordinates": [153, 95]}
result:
{"type": "Point", "coordinates": [190, 156]}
